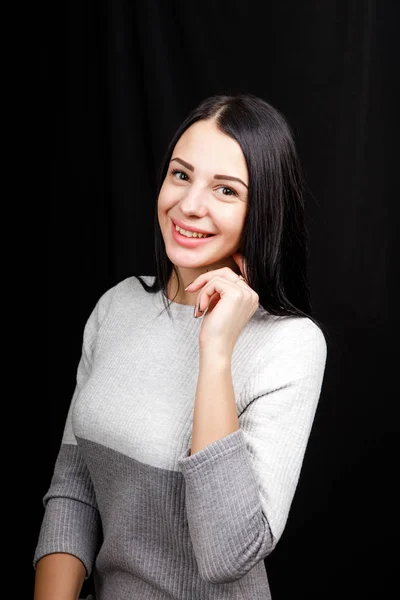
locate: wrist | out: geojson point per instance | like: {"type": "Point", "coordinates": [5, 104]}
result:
{"type": "Point", "coordinates": [215, 358]}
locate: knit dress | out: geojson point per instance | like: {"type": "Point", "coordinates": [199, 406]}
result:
{"type": "Point", "coordinates": [149, 520]}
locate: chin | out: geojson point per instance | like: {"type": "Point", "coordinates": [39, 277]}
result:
{"type": "Point", "coordinates": [188, 264]}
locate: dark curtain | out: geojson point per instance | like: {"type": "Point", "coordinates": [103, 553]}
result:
{"type": "Point", "coordinates": [118, 78]}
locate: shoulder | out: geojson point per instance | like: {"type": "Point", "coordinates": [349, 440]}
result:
{"type": "Point", "coordinates": [301, 336]}
{"type": "Point", "coordinates": [292, 357]}
{"type": "Point", "coordinates": [286, 328]}
{"type": "Point", "coordinates": [122, 294]}
{"type": "Point", "coordinates": [128, 287]}
{"type": "Point", "coordinates": [299, 329]}
{"type": "Point", "coordinates": [289, 340]}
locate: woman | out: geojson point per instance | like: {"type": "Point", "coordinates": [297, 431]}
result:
{"type": "Point", "coordinates": [185, 437]}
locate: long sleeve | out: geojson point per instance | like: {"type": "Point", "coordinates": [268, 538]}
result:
{"type": "Point", "coordinates": [71, 521]}
{"type": "Point", "coordinates": [239, 488]}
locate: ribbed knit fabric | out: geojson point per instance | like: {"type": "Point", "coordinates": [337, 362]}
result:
{"type": "Point", "coordinates": [126, 497]}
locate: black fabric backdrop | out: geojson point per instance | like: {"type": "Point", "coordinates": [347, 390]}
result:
{"type": "Point", "coordinates": [118, 78]}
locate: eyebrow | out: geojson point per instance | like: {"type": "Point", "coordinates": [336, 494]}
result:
{"type": "Point", "coordinates": [191, 168]}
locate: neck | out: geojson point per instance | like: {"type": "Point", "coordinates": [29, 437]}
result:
{"type": "Point", "coordinates": [187, 275]}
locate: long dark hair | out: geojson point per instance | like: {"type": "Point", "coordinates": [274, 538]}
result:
{"type": "Point", "coordinates": [274, 240]}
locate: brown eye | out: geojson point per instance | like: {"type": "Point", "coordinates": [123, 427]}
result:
{"type": "Point", "coordinates": [174, 171]}
{"type": "Point", "coordinates": [230, 189]}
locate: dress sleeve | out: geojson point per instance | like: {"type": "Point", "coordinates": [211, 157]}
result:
{"type": "Point", "coordinates": [239, 489]}
{"type": "Point", "coordinates": [71, 521]}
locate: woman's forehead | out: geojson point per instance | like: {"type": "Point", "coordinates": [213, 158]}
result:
{"type": "Point", "coordinates": [206, 148]}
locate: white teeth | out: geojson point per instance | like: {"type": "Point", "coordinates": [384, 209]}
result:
{"type": "Point", "coordinates": [190, 233]}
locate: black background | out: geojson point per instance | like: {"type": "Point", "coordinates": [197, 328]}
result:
{"type": "Point", "coordinates": [117, 79]}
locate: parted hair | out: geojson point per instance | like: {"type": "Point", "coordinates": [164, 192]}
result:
{"type": "Point", "coordinates": [274, 240]}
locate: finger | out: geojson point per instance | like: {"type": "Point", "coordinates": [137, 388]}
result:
{"type": "Point", "coordinates": [241, 262]}
{"type": "Point", "coordinates": [213, 302]}
{"type": "Point", "coordinates": [204, 278]}
{"type": "Point", "coordinates": [217, 285]}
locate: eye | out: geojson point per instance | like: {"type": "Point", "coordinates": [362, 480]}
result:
{"type": "Point", "coordinates": [174, 171]}
{"type": "Point", "coordinates": [224, 187]}
{"type": "Point", "coordinates": [230, 189]}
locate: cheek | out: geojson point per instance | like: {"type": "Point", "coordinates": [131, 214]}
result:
{"type": "Point", "coordinates": [232, 225]}
{"type": "Point", "coordinates": [166, 199]}
{"type": "Point", "coordinates": [162, 208]}
{"type": "Point", "coordinates": [161, 200]}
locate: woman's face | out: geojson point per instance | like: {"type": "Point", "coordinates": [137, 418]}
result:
{"type": "Point", "coordinates": [202, 194]}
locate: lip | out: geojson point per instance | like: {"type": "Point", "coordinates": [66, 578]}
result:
{"type": "Point", "coordinates": [186, 241]}
{"type": "Point", "coordinates": [187, 228]}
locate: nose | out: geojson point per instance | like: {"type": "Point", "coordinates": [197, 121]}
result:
{"type": "Point", "coordinates": [194, 201]}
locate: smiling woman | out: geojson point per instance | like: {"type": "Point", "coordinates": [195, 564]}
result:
{"type": "Point", "coordinates": [232, 169]}
{"type": "Point", "coordinates": [197, 201]}
{"type": "Point", "coordinates": [185, 437]}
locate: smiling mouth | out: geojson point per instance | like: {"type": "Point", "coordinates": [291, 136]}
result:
{"type": "Point", "coordinates": [189, 241]}
{"type": "Point", "coordinates": [192, 234]}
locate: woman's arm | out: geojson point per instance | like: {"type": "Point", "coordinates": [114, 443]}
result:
{"type": "Point", "coordinates": [59, 576]}
{"type": "Point", "coordinates": [70, 532]}
{"type": "Point", "coordinates": [215, 413]}
{"type": "Point", "coordinates": [239, 487]}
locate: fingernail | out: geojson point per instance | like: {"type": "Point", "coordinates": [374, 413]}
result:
{"type": "Point", "coordinates": [197, 310]}
{"type": "Point", "coordinates": [188, 285]}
